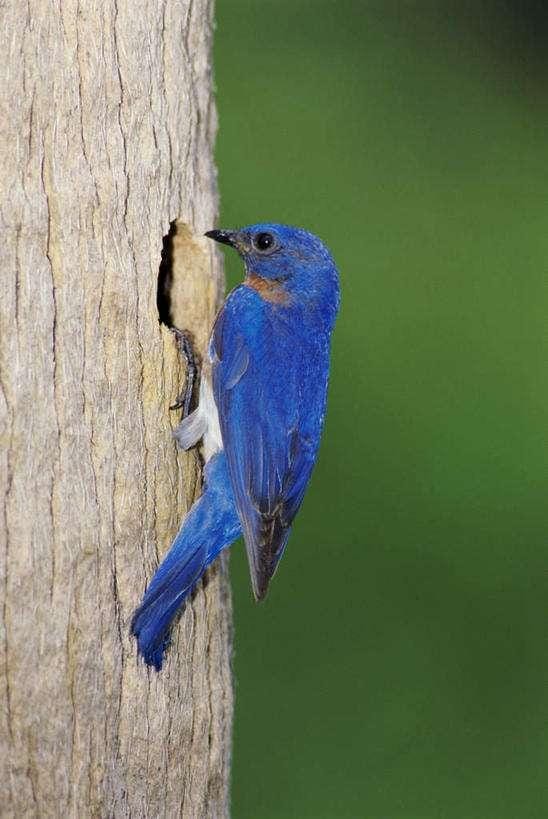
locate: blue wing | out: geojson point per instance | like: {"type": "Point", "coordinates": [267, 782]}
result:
{"type": "Point", "coordinates": [270, 381]}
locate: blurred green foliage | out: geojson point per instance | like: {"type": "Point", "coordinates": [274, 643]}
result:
{"type": "Point", "coordinates": [399, 667]}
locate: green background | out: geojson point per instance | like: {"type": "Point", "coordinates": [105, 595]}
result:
{"type": "Point", "coordinates": [399, 667]}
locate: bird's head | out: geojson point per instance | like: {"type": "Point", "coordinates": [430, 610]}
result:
{"type": "Point", "coordinates": [284, 263]}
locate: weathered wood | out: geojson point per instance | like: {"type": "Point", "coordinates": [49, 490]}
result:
{"type": "Point", "coordinates": [107, 131]}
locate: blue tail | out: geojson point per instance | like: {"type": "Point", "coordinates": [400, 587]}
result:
{"type": "Point", "coordinates": [211, 524]}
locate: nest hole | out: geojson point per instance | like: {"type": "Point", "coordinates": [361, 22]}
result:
{"type": "Point", "coordinates": [165, 277]}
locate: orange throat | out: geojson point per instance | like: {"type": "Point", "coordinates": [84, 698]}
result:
{"type": "Point", "coordinates": [269, 289]}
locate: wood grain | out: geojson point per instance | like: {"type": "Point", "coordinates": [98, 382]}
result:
{"type": "Point", "coordinates": [106, 137]}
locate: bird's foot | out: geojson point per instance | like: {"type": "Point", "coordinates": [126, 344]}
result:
{"type": "Point", "coordinates": [185, 348]}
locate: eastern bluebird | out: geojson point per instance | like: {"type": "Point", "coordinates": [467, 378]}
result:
{"type": "Point", "coordinates": [260, 414]}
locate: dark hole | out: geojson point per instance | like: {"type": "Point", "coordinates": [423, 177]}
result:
{"type": "Point", "coordinates": [165, 277]}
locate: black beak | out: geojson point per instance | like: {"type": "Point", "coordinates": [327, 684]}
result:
{"type": "Point", "coordinates": [225, 237]}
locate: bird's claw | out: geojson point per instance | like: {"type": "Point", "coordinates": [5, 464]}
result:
{"type": "Point", "coordinates": [185, 347]}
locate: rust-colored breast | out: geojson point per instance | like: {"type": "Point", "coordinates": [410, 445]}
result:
{"type": "Point", "coordinates": [269, 289]}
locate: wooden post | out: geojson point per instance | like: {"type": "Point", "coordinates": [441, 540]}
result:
{"type": "Point", "coordinates": [107, 131]}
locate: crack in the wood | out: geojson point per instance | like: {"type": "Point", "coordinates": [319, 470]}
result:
{"type": "Point", "coordinates": [5, 622]}
{"type": "Point", "coordinates": [120, 105]}
{"type": "Point", "coordinates": [211, 772]}
{"type": "Point", "coordinates": [192, 639]}
{"type": "Point", "coordinates": [31, 126]}
{"type": "Point", "coordinates": [47, 192]}
{"type": "Point", "coordinates": [81, 99]}
{"type": "Point", "coordinates": [122, 660]}
{"type": "Point", "coordinates": [80, 95]}
{"type": "Point", "coordinates": [5, 603]}
{"type": "Point", "coordinates": [70, 670]}
{"type": "Point", "coordinates": [165, 98]}
{"type": "Point", "coordinates": [30, 775]}
{"type": "Point", "coordinates": [18, 231]}
{"type": "Point", "coordinates": [186, 34]}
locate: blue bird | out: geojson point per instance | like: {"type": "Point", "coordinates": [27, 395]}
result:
{"type": "Point", "coordinates": [260, 415]}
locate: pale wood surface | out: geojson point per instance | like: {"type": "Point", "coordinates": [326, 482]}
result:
{"type": "Point", "coordinates": [107, 126]}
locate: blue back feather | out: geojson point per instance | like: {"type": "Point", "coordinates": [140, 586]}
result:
{"type": "Point", "coordinates": [270, 374]}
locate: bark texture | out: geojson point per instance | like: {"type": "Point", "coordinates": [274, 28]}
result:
{"type": "Point", "coordinates": [107, 130]}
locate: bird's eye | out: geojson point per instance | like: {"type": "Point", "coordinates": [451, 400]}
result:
{"type": "Point", "coordinates": [263, 241]}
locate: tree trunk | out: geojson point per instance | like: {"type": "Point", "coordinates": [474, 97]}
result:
{"type": "Point", "coordinates": [107, 131]}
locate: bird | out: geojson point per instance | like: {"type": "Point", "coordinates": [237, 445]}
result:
{"type": "Point", "coordinates": [260, 414]}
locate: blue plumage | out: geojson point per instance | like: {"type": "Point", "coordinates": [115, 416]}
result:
{"type": "Point", "coordinates": [269, 367]}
